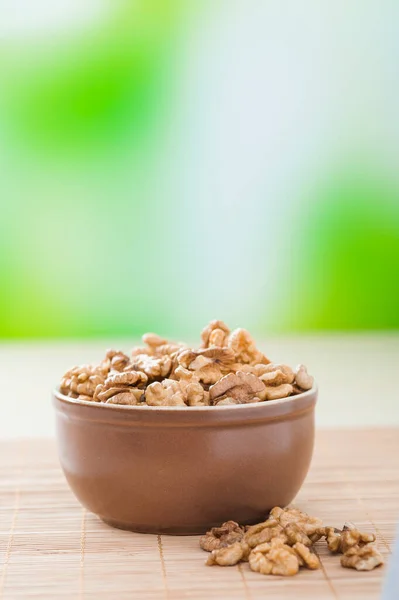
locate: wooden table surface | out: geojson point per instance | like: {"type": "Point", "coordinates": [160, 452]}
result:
{"type": "Point", "coordinates": [52, 548]}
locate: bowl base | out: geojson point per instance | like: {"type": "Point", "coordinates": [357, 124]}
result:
{"type": "Point", "coordinates": [159, 530]}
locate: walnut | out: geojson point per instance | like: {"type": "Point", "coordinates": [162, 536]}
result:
{"type": "Point", "coordinates": [269, 523]}
{"type": "Point", "coordinates": [118, 395]}
{"type": "Point", "coordinates": [351, 536]}
{"type": "Point", "coordinates": [275, 558]}
{"type": "Point", "coordinates": [165, 393]}
{"type": "Point", "coordinates": [245, 368]}
{"type": "Point", "coordinates": [341, 541]}
{"type": "Point", "coordinates": [295, 534]}
{"type": "Point", "coordinates": [227, 369]}
{"type": "Point", "coordinates": [170, 349]}
{"type": "Point", "coordinates": [275, 374]}
{"type": "Point", "coordinates": [285, 516]}
{"type": "Point", "coordinates": [244, 348]}
{"type": "Point", "coordinates": [136, 378]}
{"type": "Point", "coordinates": [362, 558]}
{"type": "Point", "coordinates": [264, 532]}
{"type": "Point", "coordinates": [302, 378]}
{"type": "Point", "coordinates": [116, 360]}
{"type": "Point", "coordinates": [239, 386]}
{"type": "Point", "coordinates": [225, 401]}
{"type": "Point", "coordinates": [290, 534]}
{"type": "Point", "coordinates": [277, 378]}
{"type": "Point", "coordinates": [206, 370]}
{"type": "Point", "coordinates": [153, 341]}
{"type": "Point", "coordinates": [229, 555]}
{"type": "Point", "coordinates": [217, 338]}
{"type": "Point", "coordinates": [214, 334]}
{"type": "Point", "coordinates": [153, 367]}
{"type": "Point", "coordinates": [296, 390]}
{"type": "Point", "coordinates": [333, 538]}
{"type": "Point", "coordinates": [158, 346]}
{"type": "Point", "coordinates": [306, 558]}
{"type": "Point", "coordinates": [194, 394]}
{"type": "Point", "coordinates": [181, 373]}
{"type": "Point", "coordinates": [170, 392]}
{"type": "Point", "coordinates": [220, 537]}
{"type": "Point", "coordinates": [83, 380]}
{"type": "Point", "coordinates": [192, 391]}
{"type": "Point", "coordinates": [209, 364]}
{"type": "Point", "coordinates": [283, 543]}
{"type": "Point", "coordinates": [276, 392]}
{"type": "Point", "coordinates": [274, 378]}
{"type": "Point", "coordinates": [121, 388]}
{"type": "Point", "coordinates": [140, 350]}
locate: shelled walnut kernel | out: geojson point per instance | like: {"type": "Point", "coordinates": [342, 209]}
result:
{"type": "Point", "coordinates": [226, 369]}
{"type": "Point", "coordinates": [284, 543]}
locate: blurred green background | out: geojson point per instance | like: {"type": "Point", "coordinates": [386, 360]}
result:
{"type": "Point", "coordinates": [166, 162]}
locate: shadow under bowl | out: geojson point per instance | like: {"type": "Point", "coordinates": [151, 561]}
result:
{"type": "Point", "coordinates": [183, 470]}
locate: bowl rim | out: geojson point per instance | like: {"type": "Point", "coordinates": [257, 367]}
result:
{"type": "Point", "coordinates": [184, 409]}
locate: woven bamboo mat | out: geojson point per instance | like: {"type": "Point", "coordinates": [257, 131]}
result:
{"type": "Point", "coordinates": [52, 548]}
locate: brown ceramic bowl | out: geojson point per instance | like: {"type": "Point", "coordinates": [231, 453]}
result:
{"type": "Point", "coordinates": [183, 470]}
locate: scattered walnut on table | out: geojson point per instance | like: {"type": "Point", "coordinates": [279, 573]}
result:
{"type": "Point", "coordinates": [284, 543]}
{"type": "Point", "coordinates": [341, 540]}
{"type": "Point", "coordinates": [308, 524]}
{"type": "Point", "coordinates": [220, 537]}
{"type": "Point", "coordinates": [228, 556]}
{"type": "Point", "coordinates": [306, 557]}
{"type": "Point", "coordinates": [295, 534]}
{"type": "Point", "coordinates": [333, 538]}
{"type": "Point", "coordinates": [274, 558]}
{"type": "Point", "coordinates": [362, 558]}
{"type": "Point", "coordinates": [264, 532]}
{"type": "Point", "coordinates": [352, 537]}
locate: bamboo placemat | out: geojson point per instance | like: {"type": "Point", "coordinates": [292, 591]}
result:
{"type": "Point", "coordinates": [52, 548]}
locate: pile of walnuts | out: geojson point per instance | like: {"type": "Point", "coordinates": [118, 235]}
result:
{"type": "Point", "coordinates": [226, 369]}
{"type": "Point", "coordinates": [284, 543]}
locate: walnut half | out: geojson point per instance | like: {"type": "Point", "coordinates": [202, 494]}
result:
{"type": "Point", "coordinates": [229, 555]}
{"type": "Point", "coordinates": [239, 386]}
{"type": "Point", "coordinates": [362, 558]}
{"type": "Point", "coordinates": [275, 558]}
{"type": "Point", "coordinates": [220, 537]}
{"type": "Point", "coordinates": [121, 388]}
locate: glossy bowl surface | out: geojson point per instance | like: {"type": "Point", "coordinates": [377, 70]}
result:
{"type": "Point", "coordinates": [182, 470]}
